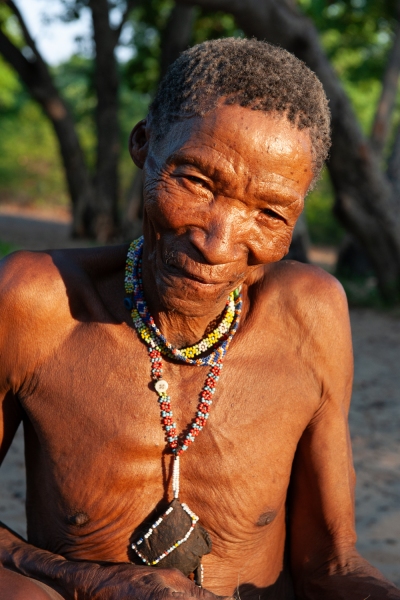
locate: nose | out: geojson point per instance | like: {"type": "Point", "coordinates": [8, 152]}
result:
{"type": "Point", "coordinates": [219, 238]}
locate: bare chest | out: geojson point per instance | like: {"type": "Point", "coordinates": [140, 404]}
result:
{"type": "Point", "coordinates": [96, 444]}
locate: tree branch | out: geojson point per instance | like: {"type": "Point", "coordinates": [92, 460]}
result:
{"type": "Point", "coordinates": [393, 170]}
{"type": "Point", "coordinates": [381, 126]}
{"type": "Point", "coordinates": [25, 32]}
{"type": "Point", "coordinates": [354, 169]}
{"type": "Point", "coordinates": [177, 35]}
{"type": "Point", "coordinates": [36, 76]}
{"type": "Point", "coordinates": [130, 5]}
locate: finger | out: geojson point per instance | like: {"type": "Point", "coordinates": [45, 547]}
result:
{"type": "Point", "coordinates": [200, 593]}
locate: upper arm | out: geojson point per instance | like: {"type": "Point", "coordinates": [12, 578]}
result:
{"type": "Point", "coordinates": [25, 281]}
{"type": "Point", "coordinates": [10, 413]}
{"type": "Point", "coordinates": [322, 485]}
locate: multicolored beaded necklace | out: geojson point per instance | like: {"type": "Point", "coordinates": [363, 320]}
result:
{"type": "Point", "coordinates": [216, 342]}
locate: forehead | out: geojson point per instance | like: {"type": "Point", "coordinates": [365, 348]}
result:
{"type": "Point", "coordinates": [241, 141]}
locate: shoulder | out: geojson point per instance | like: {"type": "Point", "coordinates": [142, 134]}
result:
{"type": "Point", "coordinates": [311, 307]}
{"type": "Point", "coordinates": [35, 286]}
{"type": "Point", "coordinates": [45, 274]}
{"type": "Point", "coordinates": [27, 278]}
{"type": "Point", "coordinates": [306, 290]}
{"type": "Point", "coordinates": [316, 302]}
{"type": "Point", "coordinates": [44, 296]}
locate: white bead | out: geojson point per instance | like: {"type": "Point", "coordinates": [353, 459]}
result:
{"type": "Point", "coordinates": [161, 386]}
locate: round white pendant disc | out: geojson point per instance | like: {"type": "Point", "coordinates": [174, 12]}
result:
{"type": "Point", "coordinates": [161, 386]}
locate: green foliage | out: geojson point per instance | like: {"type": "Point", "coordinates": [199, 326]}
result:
{"type": "Point", "coordinates": [323, 228]}
{"type": "Point", "coordinates": [210, 25]}
{"type": "Point", "coordinates": [356, 34]}
{"type": "Point", "coordinates": [6, 249]}
{"type": "Point", "coordinates": [30, 167]}
{"type": "Point", "coordinates": [75, 79]}
{"type": "Point", "coordinates": [10, 87]}
{"type": "Point", "coordinates": [149, 21]}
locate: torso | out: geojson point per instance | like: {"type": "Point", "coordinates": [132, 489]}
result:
{"type": "Point", "coordinates": [95, 446]}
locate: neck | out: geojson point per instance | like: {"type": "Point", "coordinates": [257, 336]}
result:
{"type": "Point", "coordinates": [183, 331]}
{"type": "Point", "coordinates": [180, 329]}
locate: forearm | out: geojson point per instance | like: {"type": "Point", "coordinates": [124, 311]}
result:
{"type": "Point", "coordinates": [93, 581]}
{"type": "Point", "coordinates": [72, 580]}
{"type": "Point", "coordinates": [352, 578]}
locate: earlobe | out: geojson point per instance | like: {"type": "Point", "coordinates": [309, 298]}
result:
{"type": "Point", "coordinates": [139, 143]}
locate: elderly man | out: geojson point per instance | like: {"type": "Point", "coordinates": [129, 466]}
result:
{"type": "Point", "coordinates": [171, 392]}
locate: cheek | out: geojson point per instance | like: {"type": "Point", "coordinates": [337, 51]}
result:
{"type": "Point", "coordinates": [168, 205]}
{"type": "Point", "coordinates": [272, 245]}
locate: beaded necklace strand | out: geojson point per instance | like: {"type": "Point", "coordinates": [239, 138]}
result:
{"type": "Point", "coordinates": [217, 342]}
{"type": "Point", "coordinates": [157, 345]}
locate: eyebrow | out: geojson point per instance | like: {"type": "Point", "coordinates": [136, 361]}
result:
{"type": "Point", "coordinates": [211, 169]}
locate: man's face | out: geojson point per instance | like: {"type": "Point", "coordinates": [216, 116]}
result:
{"type": "Point", "coordinates": [222, 195]}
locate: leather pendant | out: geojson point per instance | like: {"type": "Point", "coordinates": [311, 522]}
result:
{"type": "Point", "coordinates": [175, 540]}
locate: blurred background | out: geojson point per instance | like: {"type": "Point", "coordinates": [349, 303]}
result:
{"type": "Point", "coordinates": [76, 75]}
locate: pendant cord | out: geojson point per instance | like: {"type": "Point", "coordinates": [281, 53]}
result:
{"type": "Point", "coordinates": [175, 477]}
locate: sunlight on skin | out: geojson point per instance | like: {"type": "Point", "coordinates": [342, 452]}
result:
{"type": "Point", "coordinates": [222, 196]}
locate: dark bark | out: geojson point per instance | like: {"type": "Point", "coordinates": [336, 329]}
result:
{"type": "Point", "coordinates": [177, 35]}
{"type": "Point", "coordinates": [35, 75]}
{"type": "Point", "coordinates": [390, 84]}
{"type": "Point", "coordinates": [108, 145]}
{"type": "Point", "coordinates": [352, 257]}
{"type": "Point", "coordinates": [105, 222]}
{"type": "Point", "coordinates": [393, 171]}
{"type": "Point", "coordinates": [94, 202]}
{"type": "Point", "coordinates": [365, 199]}
{"type": "Point", "coordinates": [300, 242]}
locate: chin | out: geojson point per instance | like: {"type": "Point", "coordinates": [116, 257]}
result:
{"type": "Point", "coordinates": [190, 297]}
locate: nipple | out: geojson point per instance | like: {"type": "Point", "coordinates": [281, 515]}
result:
{"type": "Point", "coordinates": [266, 518]}
{"type": "Point", "coordinates": [78, 519]}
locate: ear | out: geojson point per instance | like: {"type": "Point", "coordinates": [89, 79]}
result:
{"type": "Point", "coordinates": [139, 143]}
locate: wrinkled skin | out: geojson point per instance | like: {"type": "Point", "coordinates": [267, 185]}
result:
{"type": "Point", "coordinates": [222, 195]}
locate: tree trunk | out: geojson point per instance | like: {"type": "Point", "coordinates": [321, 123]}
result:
{"type": "Point", "coordinates": [177, 35]}
{"type": "Point", "coordinates": [380, 128]}
{"type": "Point", "coordinates": [35, 75]}
{"type": "Point", "coordinates": [105, 220]}
{"type": "Point", "coordinates": [365, 199]}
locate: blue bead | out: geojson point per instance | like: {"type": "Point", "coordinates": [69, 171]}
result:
{"type": "Point", "coordinates": [128, 303]}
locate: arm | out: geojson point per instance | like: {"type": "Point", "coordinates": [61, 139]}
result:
{"type": "Point", "coordinates": [92, 581]}
{"type": "Point", "coordinates": [324, 561]}
{"type": "Point", "coordinates": [28, 296]}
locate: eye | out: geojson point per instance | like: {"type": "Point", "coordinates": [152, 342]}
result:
{"type": "Point", "coordinates": [272, 214]}
{"type": "Point", "coordinates": [197, 180]}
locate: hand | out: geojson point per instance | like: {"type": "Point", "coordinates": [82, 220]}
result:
{"type": "Point", "coordinates": [120, 582]}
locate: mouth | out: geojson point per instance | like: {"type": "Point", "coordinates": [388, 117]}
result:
{"type": "Point", "coordinates": [184, 273]}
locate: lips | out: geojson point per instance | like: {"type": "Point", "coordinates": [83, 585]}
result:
{"type": "Point", "coordinates": [183, 266]}
{"type": "Point", "coordinates": [178, 271]}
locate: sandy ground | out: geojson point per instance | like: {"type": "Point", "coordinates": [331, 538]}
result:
{"type": "Point", "coordinates": [374, 415]}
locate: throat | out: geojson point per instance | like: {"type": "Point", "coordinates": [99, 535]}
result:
{"type": "Point", "coordinates": [184, 331]}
